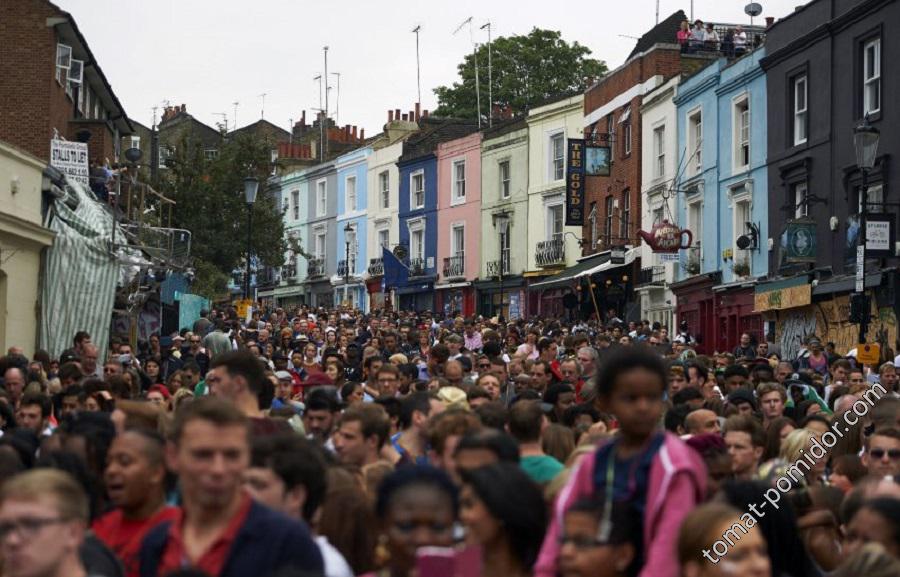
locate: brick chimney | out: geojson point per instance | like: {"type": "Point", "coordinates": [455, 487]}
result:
{"type": "Point", "coordinates": [390, 115]}
{"type": "Point", "coordinates": [362, 133]}
{"type": "Point", "coordinates": [396, 114]}
{"type": "Point", "coordinates": [354, 133]}
{"type": "Point", "coordinates": [424, 114]}
{"type": "Point", "coordinates": [418, 111]}
{"type": "Point", "coordinates": [769, 21]}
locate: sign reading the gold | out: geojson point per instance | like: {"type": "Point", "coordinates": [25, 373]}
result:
{"type": "Point", "coordinates": [786, 298]}
{"type": "Point", "coordinates": [575, 183]}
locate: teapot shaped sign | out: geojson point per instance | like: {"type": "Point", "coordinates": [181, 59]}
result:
{"type": "Point", "coordinates": [666, 237]}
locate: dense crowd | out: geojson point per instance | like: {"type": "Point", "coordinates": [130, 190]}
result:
{"type": "Point", "coordinates": [330, 442]}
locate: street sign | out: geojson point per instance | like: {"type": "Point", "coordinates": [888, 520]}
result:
{"type": "Point", "coordinates": [860, 268]}
{"type": "Point", "coordinates": [880, 235]}
{"type": "Point", "coordinates": [868, 354]}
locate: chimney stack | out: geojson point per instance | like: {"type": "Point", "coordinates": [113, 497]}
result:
{"type": "Point", "coordinates": [424, 114]}
{"type": "Point", "coordinates": [303, 118]}
{"type": "Point", "coordinates": [396, 114]}
{"type": "Point", "coordinates": [390, 115]}
{"type": "Point", "coordinates": [769, 21]}
{"type": "Point", "coordinates": [354, 133]}
{"type": "Point", "coordinates": [418, 111]}
{"type": "Point", "coordinates": [362, 133]}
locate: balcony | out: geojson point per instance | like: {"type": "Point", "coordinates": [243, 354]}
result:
{"type": "Point", "coordinates": [655, 275]}
{"type": "Point", "coordinates": [550, 253]}
{"type": "Point", "coordinates": [376, 267]}
{"type": "Point", "coordinates": [342, 268]}
{"type": "Point", "coordinates": [496, 268]}
{"type": "Point", "coordinates": [315, 267]}
{"type": "Point", "coordinates": [455, 266]}
{"type": "Point", "coordinates": [416, 267]}
{"type": "Point", "coordinates": [267, 278]}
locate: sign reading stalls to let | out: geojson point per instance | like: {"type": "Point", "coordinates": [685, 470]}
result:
{"type": "Point", "coordinates": [71, 158]}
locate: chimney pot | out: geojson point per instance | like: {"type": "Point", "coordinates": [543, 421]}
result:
{"type": "Point", "coordinates": [396, 114]}
{"type": "Point", "coordinates": [405, 116]}
{"type": "Point", "coordinates": [769, 21]}
{"type": "Point", "coordinates": [424, 114]}
{"type": "Point", "coordinates": [354, 132]}
{"type": "Point", "coordinates": [362, 133]}
{"type": "Point", "coordinates": [390, 115]}
{"type": "Point", "coordinates": [418, 111]}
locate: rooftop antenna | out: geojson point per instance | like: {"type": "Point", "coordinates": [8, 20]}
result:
{"type": "Point", "coordinates": [324, 139]}
{"type": "Point", "coordinates": [321, 121]}
{"type": "Point", "coordinates": [224, 120]}
{"type": "Point", "coordinates": [337, 100]}
{"type": "Point", "coordinates": [490, 77]}
{"type": "Point", "coordinates": [752, 10]}
{"type": "Point", "coordinates": [262, 111]}
{"type": "Point", "coordinates": [657, 11]}
{"type": "Point", "coordinates": [235, 113]}
{"type": "Point", "coordinates": [290, 131]}
{"type": "Point", "coordinates": [418, 66]}
{"type": "Point", "coordinates": [468, 21]}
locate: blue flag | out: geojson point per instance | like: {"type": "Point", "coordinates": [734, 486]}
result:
{"type": "Point", "coordinates": [395, 272]}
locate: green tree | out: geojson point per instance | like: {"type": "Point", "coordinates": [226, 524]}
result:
{"type": "Point", "coordinates": [527, 69]}
{"type": "Point", "coordinates": [209, 196]}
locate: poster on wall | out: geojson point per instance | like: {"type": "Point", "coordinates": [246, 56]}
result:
{"type": "Point", "coordinates": [71, 158]}
{"type": "Point", "coordinates": [597, 160]}
{"type": "Point", "coordinates": [514, 308]}
{"type": "Point", "coordinates": [575, 183]}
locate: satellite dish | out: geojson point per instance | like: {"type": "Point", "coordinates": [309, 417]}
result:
{"type": "Point", "coordinates": [753, 9]}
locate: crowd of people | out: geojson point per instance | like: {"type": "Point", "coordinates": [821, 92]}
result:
{"type": "Point", "coordinates": [706, 38]}
{"type": "Point", "coordinates": [312, 442]}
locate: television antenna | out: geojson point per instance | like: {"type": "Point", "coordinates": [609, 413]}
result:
{"type": "Point", "coordinates": [468, 22]}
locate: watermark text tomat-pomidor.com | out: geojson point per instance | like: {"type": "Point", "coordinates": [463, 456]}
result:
{"type": "Point", "coordinates": [817, 450]}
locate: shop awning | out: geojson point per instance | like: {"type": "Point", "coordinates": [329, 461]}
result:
{"type": "Point", "coordinates": [630, 255]}
{"type": "Point", "coordinates": [568, 275]}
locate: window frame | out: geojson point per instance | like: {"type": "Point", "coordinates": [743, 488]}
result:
{"type": "Point", "coordinates": [457, 186]}
{"type": "Point", "coordinates": [626, 138]}
{"type": "Point", "coordinates": [610, 203]}
{"type": "Point", "coordinates": [384, 188]}
{"type": "Point", "coordinates": [321, 197]}
{"type": "Point", "coordinates": [659, 152]}
{"type": "Point", "coordinates": [740, 110]}
{"type": "Point", "coordinates": [625, 223]}
{"type": "Point", "coordinates": [386, 243]}
{"type": "Point", "coordinates": [412, 190]}
{"type": "Point", "coordinates": [551, 210]}
{"type": "Point", "coordinates": [295, 198]}
{"type": "Point", "coordinates": [347, 195]}
{"type": "Point", "coordinates": [875, 80]}
{"type": "Point", "coordinates": [505, 183]}
{"type": "Point", "coordinates": [800, 117]}
{"type": "Point", "coordinates": [695, 139]}
{"type": "Point", "coordinates": [454, 235]}
{"type": "Point", "coordinates": [557, 172]}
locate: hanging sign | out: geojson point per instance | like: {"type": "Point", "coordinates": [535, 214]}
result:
{"type": "Point", "coordinates": [597, 160]}
{"type": "Point", "coordinates": [800, 241]}
{"type": "Point", "coordinates": [575, 183]}
{"type": "Point", "coordinates": [71, 158]}
{"type": "Point", "coordinates": [666, 237]}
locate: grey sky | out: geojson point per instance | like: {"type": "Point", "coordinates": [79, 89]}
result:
{"type": "Point", "coordinates": [209, 53]}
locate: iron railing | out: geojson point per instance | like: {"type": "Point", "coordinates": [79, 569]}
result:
{"type": "Point", "coordinates": [342, 267]}
{"type": "Point", "coordinates": [550, 252]}
{"type": "Point", "coordinates": [315, 267]}
{"type": "Point", "coordinates": [652, 275]}
{"type": "Point", "coordinates": [455, 266]}
{"type": "Point", "coordinates": [495, 268]}
{"type": "Point", "coordinates": [376, 267]}
{"type": "Point", "coordinates": [416, 267]}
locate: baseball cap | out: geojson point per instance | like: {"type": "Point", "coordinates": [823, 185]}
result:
{"type": "Point", "coordinates": [283, 376]}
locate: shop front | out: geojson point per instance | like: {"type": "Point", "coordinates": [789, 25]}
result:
{"type": "Point", "coordinates": [697, 307]}
{"type": "Point", "coordinates": [417, 297]}
{"type": "Point", "coordinates": [505, 299]}
{"type": "Point", "coordinates": [455, 298]}
{"type": "Point", "coordinates": [320, 294]}
{"type": "Point", "coordinates": [289, 296]}
{"type": "Point", "coordinates": [736, 313]}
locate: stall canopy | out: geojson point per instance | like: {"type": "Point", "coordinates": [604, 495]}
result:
{"type": "Point", "coordinates": [79, 273]}
{"type": "Point", "coordinates": [567, 276]}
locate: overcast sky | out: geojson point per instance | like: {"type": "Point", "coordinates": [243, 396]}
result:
{"type": "Point", "coordinates": [210, 53]}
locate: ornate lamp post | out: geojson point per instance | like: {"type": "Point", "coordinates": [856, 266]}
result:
{"type": "Point", "coordinates": [865, 141]}
{"type": "Point", "coordinates": [251, 186]}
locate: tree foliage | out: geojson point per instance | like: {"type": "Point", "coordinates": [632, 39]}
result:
{"type": "Point", "coordinates": [209, 196]}
{"type": "Point", "coordinates": [526, 70]}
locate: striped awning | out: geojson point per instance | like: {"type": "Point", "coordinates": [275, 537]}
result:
{"type": "Point", "coordinates": [79, 272]}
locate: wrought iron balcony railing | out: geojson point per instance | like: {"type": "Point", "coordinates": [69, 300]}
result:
{"type": "Point", "coordinates": [376, 267]}
{"type": "Point", "coordinates": [455, 266]}
{"type": "Point", "coordinates": [495, 268]}
{"type": "Point", "coordinates": [416, 267]}
{"type": "Point", "coordinates": [550, 252]}
{"type": "Point", "coordinates": [342, 267]}
{"type": "Point", "coordinates": [655, 275]}
{"type": "Point", "coordinates": [315, 267]}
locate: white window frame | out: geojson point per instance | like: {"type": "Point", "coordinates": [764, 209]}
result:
{"type": "Point", "coordinates": [383, 239]}
{"type": "Point", "coordinates": [740, 110]}
{"type": "Point", "coordinates": [872, 84]}
{"type": "Point", "coordinates": [505, 179]}
{"type": "Point", "coordinates": [610, 203]}
{"type": "Point", "coordinates": [626, 137]}
{"type": "Point", "coordinates": [295, 198]}
{"type": "Point", "coordinates": [551, 209]}
{"type": "Point", "coordinates": [63, 63]}
{"type": "Point", "coordinates": [695, 225]}
{"type": "Point", "coordinates": [321, 196]}
{"type": "Point", "coordinates": [626, 213]}
{"type": "Point", "coordinates": [801, 208]}
{"type": "Point", "coordinates": [695, 140]}
{"type": "Point", "coordinates": [874, 197]}
{"type": "Point", "coordinates": [659, 151]}
{"type": "Point", "coordinates": [592, 217]}
{"type": "Point", "coordinates": [413, 205]}
{"type": "Point", "coordinates": [211, 154]}
{"type": "Point", "coordinates": [455, 249]}
{"type": "Point", "coordinates": [801, 112]}
{"type": "Point", "coordinates": [557, 165]}
{"type": "Point", "coordinates": [416, 226]}
{"type": "Point", "coordinates": [384, 188]}
{"type": "Point", "coordinates": [321, 249]}
{"type": "Point", "coordinates": [348, 205]}
{"type": "Point", "coordinates": [136, 142]}
{"type": "Point", "coordinates": [741, 195]}
{"type": "Point", "coordinates": [457, 186]}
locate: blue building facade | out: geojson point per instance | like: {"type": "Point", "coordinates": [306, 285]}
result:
{"type": "Point", "coordinates": [722, 198]}
{"type": "Point", "coordinates": [352, 193]}
{"type": "Point", "coordinates": [418, 229]}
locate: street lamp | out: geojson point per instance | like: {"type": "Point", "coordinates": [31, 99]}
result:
{"type": "Point", "coordinates": [251, 186]}
{"type": "Point", "coordinates": [865, 141]}
{"type": "Point", "coordinates": [501, 223]}
{"type": "Point", "coordinates": [348, 229]}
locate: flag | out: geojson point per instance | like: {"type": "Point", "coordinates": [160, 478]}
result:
{"type": "Point", "coordinates": [395, 272]}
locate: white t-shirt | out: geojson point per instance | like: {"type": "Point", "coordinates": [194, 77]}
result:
{"type": "Point", "coordinates": [335, 564]}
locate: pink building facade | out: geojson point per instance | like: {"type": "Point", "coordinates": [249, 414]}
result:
{"type": "Point", "coordinates": [459, 224]}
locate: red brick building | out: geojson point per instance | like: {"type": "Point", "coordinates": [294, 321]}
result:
{"type": "Point", "coordinates": [52, 84]}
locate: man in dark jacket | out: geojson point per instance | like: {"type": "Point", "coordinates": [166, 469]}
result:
{"type": "Point", "coordinates": [221, 530]}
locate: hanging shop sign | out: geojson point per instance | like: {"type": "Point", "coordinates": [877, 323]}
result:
{"type": "Point", "coordinates": [597, 160]}
{"type": "Point", "coordinates": [666, 237]}
{"type": "Point", "coordinates": [575, 183]}
{"type": "Point", "coordinates": [800, 241]}
{"type": "Point", "coordinates": [617, 255]}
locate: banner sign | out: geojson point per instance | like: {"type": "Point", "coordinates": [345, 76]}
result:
{"type": "Point", "coordinates": [597, 158]}
{"type": "Point", "coordinates": [783, 298]}
{"type": "Point", "coordinates": [800, 241]}
{"type": "Point", "coordinates": [71, 158]}
{"type": "Point", "coordinates": [575, 183]}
